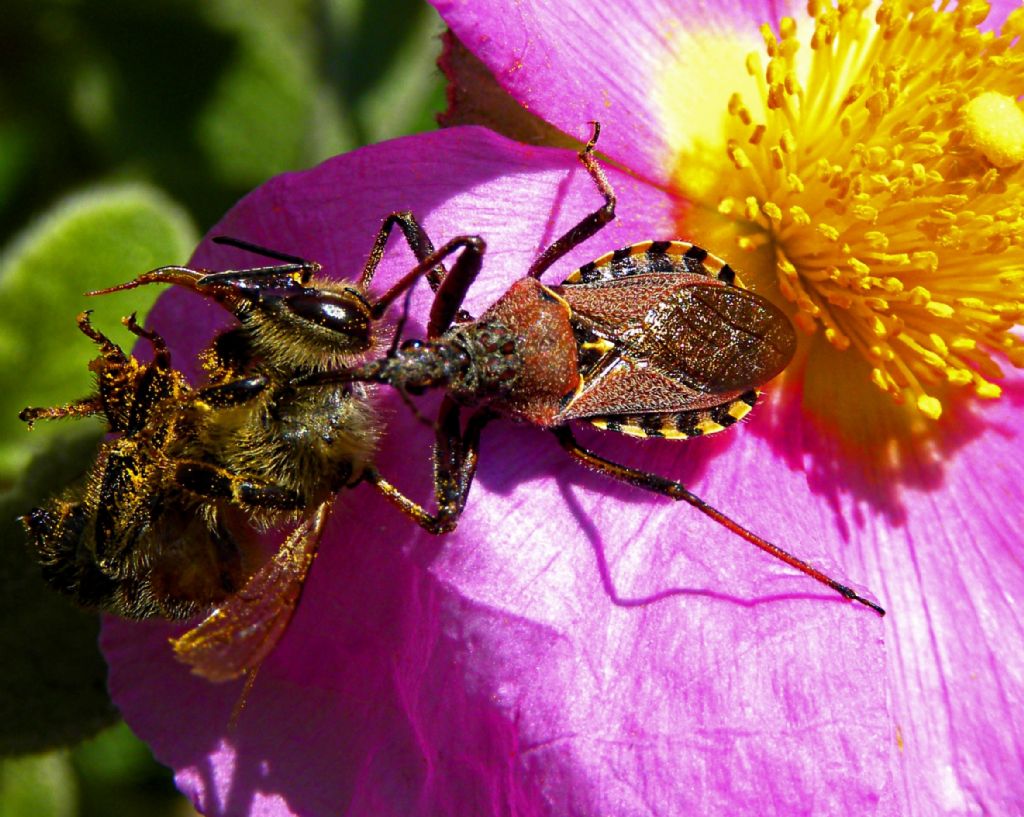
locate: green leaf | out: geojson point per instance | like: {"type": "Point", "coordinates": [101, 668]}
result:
{"type": "Point", "coordinates": [53, 686]}
{"type": "Point", "coordinates": [118, 775]}
{"type": "Point", "coordinates": [101, 237]}
{"type": "Point", "coordinates": [42, 786]}
{"type": "Point", "coordinates": [264, 115]}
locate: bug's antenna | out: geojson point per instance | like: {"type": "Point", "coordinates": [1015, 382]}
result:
{"type": "Point", "coordinates": [400, 324]}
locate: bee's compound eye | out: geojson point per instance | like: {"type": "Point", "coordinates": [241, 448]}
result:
{"type": "Point", "coordinates": [334, 312]}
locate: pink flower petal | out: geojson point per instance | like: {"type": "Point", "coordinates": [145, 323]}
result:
{"type": "Point", "coordinates": [952, 572]}
{"type": "Point", "coordinates": [939, 543]}
{"type": "Point", "coordinates": [941, 552]}
{"type": "Point", "coordinates": [633, 65]}
{"type": "Point", "coordinates": [492, 671]}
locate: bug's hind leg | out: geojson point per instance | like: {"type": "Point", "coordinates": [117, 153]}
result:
{"type": "Point", "coordinates": [675, 490]}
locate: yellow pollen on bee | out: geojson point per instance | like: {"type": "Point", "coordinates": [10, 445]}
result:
{"type": "Point", "coordinates": [881, 159]}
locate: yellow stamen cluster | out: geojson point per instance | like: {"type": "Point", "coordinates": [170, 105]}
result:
{"type": "Point", "coordinates": [885, 169]}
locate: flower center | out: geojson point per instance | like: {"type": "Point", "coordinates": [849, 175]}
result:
{"type": "Point", "coordinates": [885, 172]}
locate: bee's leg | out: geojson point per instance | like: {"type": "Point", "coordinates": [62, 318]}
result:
{"type": "Point", "coordinates": [108, 349]}
{"type": "Point", "coordinates": [592, 224]}
{"type": "Point", "coordinates": [85, 407]}
{"type": "Point", "coordinates": [208, 480]}
{"type": "Point", "coordinates": [110, 356]}
{"type": "Point", "coordinates": [455, 462]}
{"type": "Point", "coordinates": [161, 354]}
{"type": "Point", "coordinates": [676, 490]}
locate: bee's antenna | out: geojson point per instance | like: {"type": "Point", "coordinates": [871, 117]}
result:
{"type": "Point", "coordinates": [248, 246]}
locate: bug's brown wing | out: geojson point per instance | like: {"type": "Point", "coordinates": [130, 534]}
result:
{"type": "Point", "coordinates": [672, 355]}
{"type": "Point", "coordinates": [627, 389]}
{"type": "Point", "coordinates": [646, 403]}
{"type": "Point", "coordinates": [716, 339]}
{"type": "Point", "coordinates": [236, 637]}
{"type": "Point", "coordinates": [709, 336]}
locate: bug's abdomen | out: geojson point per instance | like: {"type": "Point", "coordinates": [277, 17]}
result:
{"type": "Point", "coordinates": [680, 425]}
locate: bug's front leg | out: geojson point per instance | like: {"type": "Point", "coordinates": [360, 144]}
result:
{"type": "Point", "coordinates": [455, 462]}
{"type": "Point", "coordinates": [418, 240]}
{"type": "Point", "coordinates": [451, 290]}
{"type": "Point", "coordinates": [590, 225]}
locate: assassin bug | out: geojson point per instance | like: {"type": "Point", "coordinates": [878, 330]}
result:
{"type": "Point", "coordinates": [652, 340]}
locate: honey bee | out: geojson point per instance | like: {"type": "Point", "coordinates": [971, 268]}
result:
{"type": "Point", "coordinates": [129, 540]}
{"type": "Point", "coordinates": [165, 524]}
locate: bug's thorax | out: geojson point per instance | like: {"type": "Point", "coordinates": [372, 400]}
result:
{"type": "Point", "coordinates": [525, 353]}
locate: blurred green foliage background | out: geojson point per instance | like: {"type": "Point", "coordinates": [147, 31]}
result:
{"type": "Point", "coordinates": [126, 130]}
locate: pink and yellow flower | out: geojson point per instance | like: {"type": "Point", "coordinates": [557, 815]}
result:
{"type": "Point", "coordinates": [861, 166]}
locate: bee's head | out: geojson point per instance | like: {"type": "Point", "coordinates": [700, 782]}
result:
{"type": "Point", "coordinates": [337, 317]}
{"type": "Point", "coordinates": [321, 325]}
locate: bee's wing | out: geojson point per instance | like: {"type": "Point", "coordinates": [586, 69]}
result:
{"type": "Point", "coordinates": [236, 637]}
